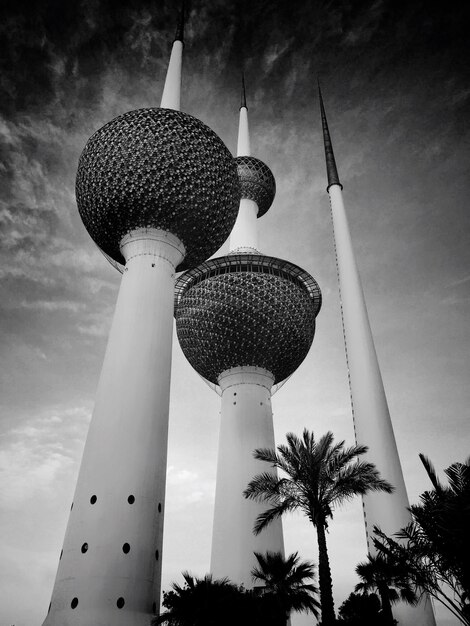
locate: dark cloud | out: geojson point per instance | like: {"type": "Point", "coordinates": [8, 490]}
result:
{"type": "Point", "coordinates": [49, 46]}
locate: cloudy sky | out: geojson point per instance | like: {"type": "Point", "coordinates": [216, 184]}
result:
{"type": "Point", "coordinates": [395, 78]}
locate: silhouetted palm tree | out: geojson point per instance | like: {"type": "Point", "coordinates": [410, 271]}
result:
{"type": "Point", "coordinates": [434, 547]}
{"type": "Point", "coordinates": [285, 584]}
{"type": "Point", "coordinates": [206, 602]}
{"type": "Point", "coordinates": [321, 475]}
{"type": "Point", "coordinates": [387, 578]}
{"type": "Point", "coordinates": [444, 517]}
{"type": "Point", "coordinates": [360, 610]}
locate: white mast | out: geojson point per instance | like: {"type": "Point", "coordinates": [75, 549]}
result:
{"type": "Point", "coordinates": [110, 567]}
{"type": "Point", "coordinates": [171, 97]}
{"type": "Point", "coordinates": [244, 236]}
{"type": "Point", "coordinates": [371, 416]}
{"type": "Point", "coordinates": [246, 423]}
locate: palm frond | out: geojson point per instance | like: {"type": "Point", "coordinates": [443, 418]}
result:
{"type": "Point", "coordinates": [276, 511]}
{"type": "Point", "coordinates": [431, 472]}
{"type": "Point", "coordinates": [356, 479]}
{"type": "Point", "coordinates": [266, 454]}
{"type": "Point", "coordinates": [323, 445]}
{"type": "Point", "coordinates": [459, 477]}
{"type": "Point", "coordinates": [264, 487]}
{"type": "Point", "coordinates": [285, 582]}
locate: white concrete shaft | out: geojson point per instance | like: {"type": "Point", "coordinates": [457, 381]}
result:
{"type": "Point", "coordinates": [372, 423]}
{"type": "Point", "coordinates": [171, 97]}
{"type": "Point", "coordinates": [244, 235]}
{"type": "Point", "coordinates": [125, 453]}
{"type": "Point", "coordinates": [243, 145]}
{"type": "Point", "coordinates": [246, 424]}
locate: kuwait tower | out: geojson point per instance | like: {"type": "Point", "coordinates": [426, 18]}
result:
{"type": "Point", "coordinates": [158, 192]}
{"type": "Point", "coordinates": [371, 417]}
{"type": "Point", "coordinates": [245, 322]}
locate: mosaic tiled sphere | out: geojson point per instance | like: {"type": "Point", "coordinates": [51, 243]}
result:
{"type": "Point", "coordinates": [256, 181]}
{"type": "Point", "coordinates": [247, 310]}
{"type": "Point", "coordinates": [158, 168]}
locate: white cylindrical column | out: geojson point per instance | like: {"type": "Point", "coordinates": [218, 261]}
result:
{"type": "Point", "coordinates": [244, 235]}
{"type": "Point", "coordinates": [243, 144]}
{"type": "Point", "coordinates": [109, 571]}
{"type": "Point", "coordinates": [246, 424]}
{"type": "Point", "coordinates": [171, 97]}
{"type": "Point", "coordinates": [372, 423]}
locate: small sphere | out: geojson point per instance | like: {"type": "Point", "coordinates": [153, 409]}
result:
{"type": "Point", "coordinates": [247, 310]}
{"type": "Point", "coordinates": [158, 168]}
{"type": "Point", "coordinates": [256, 181]}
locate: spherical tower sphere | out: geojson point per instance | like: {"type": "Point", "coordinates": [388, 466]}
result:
{"type": "Point", "coordinates": [158, 168]}
{"type": "Point", "coordinates": [246, 310]}
{"type": "Point", "coordinates": [256, 182]}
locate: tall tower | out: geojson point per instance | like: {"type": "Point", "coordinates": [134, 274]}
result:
{"type": "Point", "coordinates": [371, 417]}
{"type": "Point", "coordinates": [245, 322]}
{"type": "Point", "coordinates": [158, 191]}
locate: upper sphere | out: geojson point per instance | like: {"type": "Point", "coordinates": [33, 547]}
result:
{"type": "Point", "coordinates": [158, 168]}
{"type": "Point", "coordinates": [256, 181]}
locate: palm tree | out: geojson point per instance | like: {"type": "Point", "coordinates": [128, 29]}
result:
{"type": "Point", "coordinates": [320, 476]}
{"type": "Point", "coordinates": [387, 578]}
{"type": "Point", "coordinates": [284, 583]}
{"type": "Point", "coordinates": [435, 545]}
{"type": "Point", "coordinates": [206, 602]}
{"type": "Point", "coordinates": [444, 517]}
{"type": "Point", "coordinates": [360, 610]}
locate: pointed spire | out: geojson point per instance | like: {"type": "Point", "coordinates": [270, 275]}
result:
{"type": "Point", "coordinates": [243, 100]}
{"type": "Point", "coordinates": [179, 35]}
{"type": "Point", "coordinates": [171, 97]}
{"type": "Point", "coordinates": [243, 145]}
{"type": "Point", "coordinates": [331, 169]}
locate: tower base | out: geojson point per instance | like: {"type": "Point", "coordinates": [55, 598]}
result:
{"type": "Point", "coordinates": [246, 424]}
{"type": "Point", "coordinates": [110, 566]}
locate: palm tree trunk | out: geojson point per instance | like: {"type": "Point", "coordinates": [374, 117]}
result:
{"type": "Point", "coordinates": [386, 604]}
{"type": "Point", "coordinates": [326, 585]}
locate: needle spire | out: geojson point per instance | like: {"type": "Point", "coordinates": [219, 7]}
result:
{"type": "Point", "coordinates": [179, 35]}
{"type": "Point", "coordinates": [171, 98]}
{"type": "Point", "coordinates": [243, 99]}
{"type": "Point", "coordinates": [243, 146]}
{"type": "Point", "coordinates": [331, 169]}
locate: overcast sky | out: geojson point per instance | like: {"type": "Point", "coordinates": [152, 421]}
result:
{"type": "Point", "coordinates": [395, 80]}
